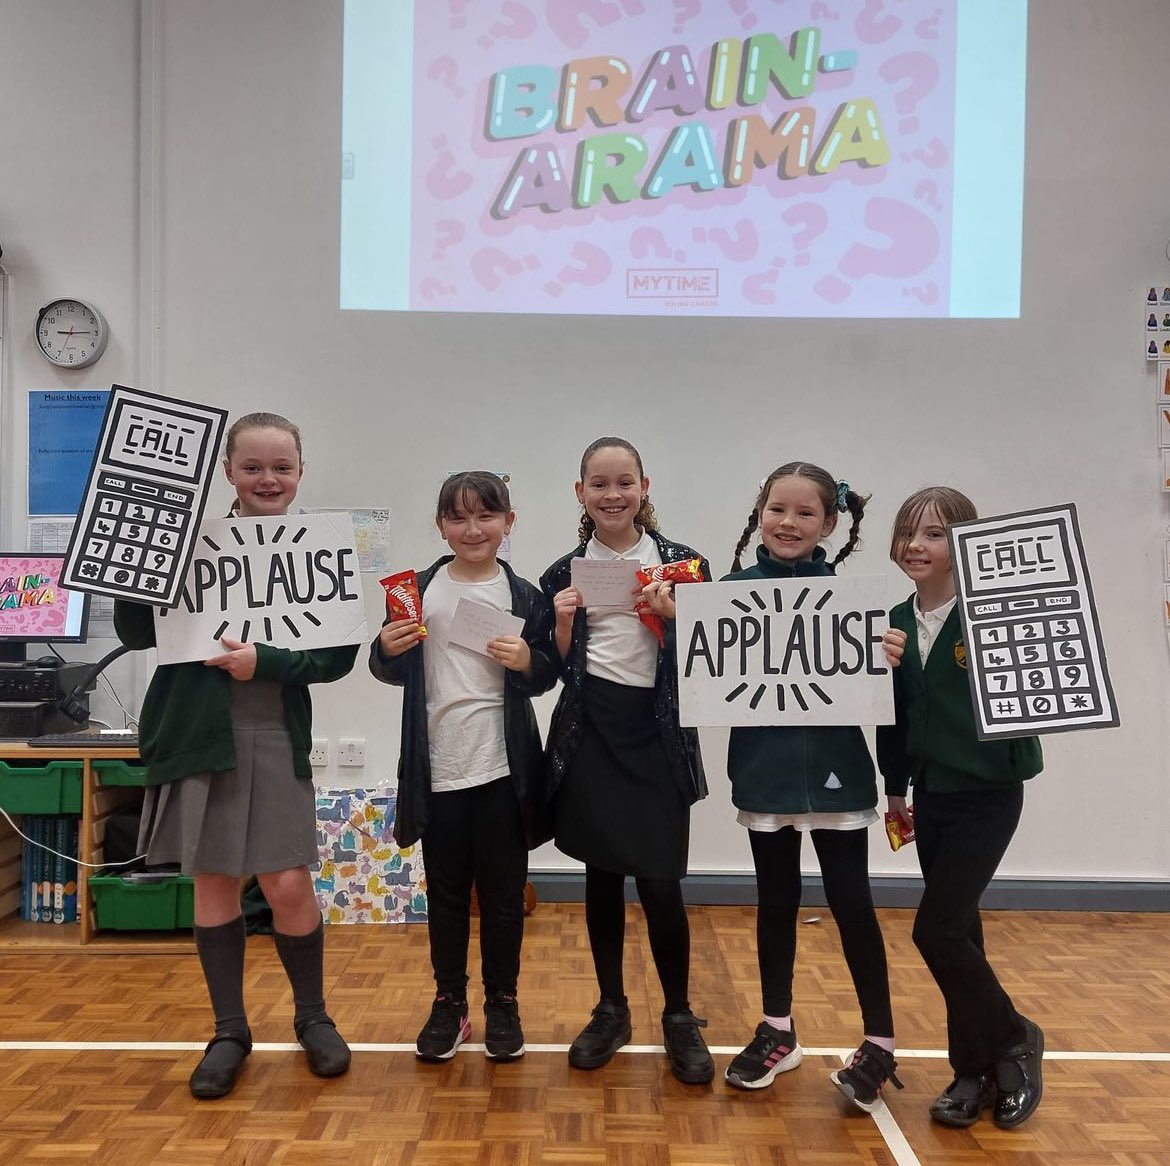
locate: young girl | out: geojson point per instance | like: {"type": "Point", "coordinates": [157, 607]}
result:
{"type": "Point", "coordinates": [788, 780]}
{"type": "Point", "coordinates": [623, 774]}
{"type": "Point", "coordinates": [471, 766]}
{"type": "Point", "coordinates": [226, 743]}
{"type": "Point", "coordinates": [968, 796]}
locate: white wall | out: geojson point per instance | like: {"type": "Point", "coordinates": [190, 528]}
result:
{"type": "Point", "coordinates": [1052, 407]}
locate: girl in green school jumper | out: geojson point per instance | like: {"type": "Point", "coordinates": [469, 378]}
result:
{"type": "Point", "coordinates": [968, 796]}
{"type": "Point", "coordinates": [226, 744]}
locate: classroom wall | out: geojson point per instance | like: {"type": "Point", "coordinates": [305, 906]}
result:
{"type": "Point", "coordinates": [179, 166]}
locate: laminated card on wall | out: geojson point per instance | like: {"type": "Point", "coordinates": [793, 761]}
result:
{"type": "Point", "coordinates": [1034, 652]}
{"type": "Point", "coordinates": [145, 496]}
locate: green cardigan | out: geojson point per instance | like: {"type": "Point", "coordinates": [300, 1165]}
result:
{"type": "Point", "coordinates": [933, 741]}
{"type": "Point", "coordinates": [186, 722]}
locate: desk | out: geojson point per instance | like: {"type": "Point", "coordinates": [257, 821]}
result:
{"type": "Point", "coordinates": [97, 803]}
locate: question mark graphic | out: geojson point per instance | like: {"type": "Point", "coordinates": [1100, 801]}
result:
{"type": "Point", "coordinates": [935, 155]}
{"type": "Point", "coordinates": [747, 19]}
{"type": "Point", "coordinates": [645, 238]}
{"type": "Point", "coordinates": [921, 71]}
{"type": "Point", "coordinates": [739, 247]}
{"type": "Point", "coordinates": [440, 182]}
{"type": "Point", "coordinates": [450, 232]}
{"type": "Point", "coordinates": [594, 267]}
{"type": "Point", "coordinates": [928, 29]}
{"type": "Point", "coordinates": [458, 20]}
{"type": "Point", "coordinates": [871, 29]}
{"type": "Point", "coordinates": [833, 289]}
{"type": "Point", "coordinates": [485, 261]}
{"type": "Point", "coordinates": [431, 287]}
{"type": "Point", "coordinates": [924, 295]}
{"type": "Point", "coordinates": [913, 242]}
{"type": "Point", "coordinates": [564, 17]}
{"type": "Point", "coordinates": [447, 69]}
{"type": "Point", "coordinates": [814, 219]}
{"type": "Point", "coordinates": [521, 23]}
{"type": "Point", "coordinates": [927, 191]}
{"type": "Point", "coordinates": [757, 288]}
{"type": "Point", "coordinates": [683, 11]}
{"type": "Point", "coordinates": [821, 11]}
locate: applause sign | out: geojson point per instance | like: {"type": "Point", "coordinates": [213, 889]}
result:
{"type": "Point", "coordinates": [289, 581]}
{"type": "Point", "coordinates": [805, 651]}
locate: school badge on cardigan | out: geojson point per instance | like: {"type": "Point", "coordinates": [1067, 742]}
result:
{"type": "Point", "coordinates": [961, 654]}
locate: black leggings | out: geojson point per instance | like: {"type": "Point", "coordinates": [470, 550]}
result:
{"type": "Point", "coordinates": [666, 922]}
{"type": "Point", "coordinates": [844, 859]}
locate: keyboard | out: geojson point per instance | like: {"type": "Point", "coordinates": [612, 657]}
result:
{"type": "Point", "coordinates": [86, 739]}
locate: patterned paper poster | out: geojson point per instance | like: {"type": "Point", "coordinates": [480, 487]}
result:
{"type": "Point", "coordinates": [364, 876]}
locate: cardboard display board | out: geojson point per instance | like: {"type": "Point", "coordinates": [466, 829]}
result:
{"type": "Point", "coordinates": [803, 651]}
{"type": "Point", "coordinates": [291, 581]}
{"type": "Point", "coordinates": [1034, 651]}
{"type": "Point", "coordinates": [145, 496]}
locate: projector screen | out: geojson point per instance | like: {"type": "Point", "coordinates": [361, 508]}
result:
{"type": "Point", "coordinates": [835, 158]}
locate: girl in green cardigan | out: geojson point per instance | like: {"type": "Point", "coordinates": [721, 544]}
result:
{"type": "Point", "coordinates": [226, 743]}
{"type": "Point", "coordinates": [968, 796]}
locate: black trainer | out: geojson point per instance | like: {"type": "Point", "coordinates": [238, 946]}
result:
{"type": "Point", "coordinates": [446, 1029]}
{"type": "Point", "coordinates": [503, 1038]}
{"type": "Point", "coordinates": [771, 1051]}
{"type": "Point", "coordinates": [690, 1059]}
{"type": "Point", "coordinates": [608, 1029]}
{"type": "Point", "coordinates": [862, 1079]}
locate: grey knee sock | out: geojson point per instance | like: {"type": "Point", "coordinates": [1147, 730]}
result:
{"type": "Point", "coordinates": [221, 953]}
{"type": "Point", "coordinates": [303, 957]}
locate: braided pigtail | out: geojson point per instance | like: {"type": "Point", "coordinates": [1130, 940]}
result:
{"type": "Point", "coordinates": [745, 538]}
{"type": "Point", "coordinates": [855, 504]}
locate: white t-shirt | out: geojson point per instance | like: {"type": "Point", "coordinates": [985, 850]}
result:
{"type": "Point", "coordinates": [621, 647]}
{"type": "Point", "coordinates": [465, 691]}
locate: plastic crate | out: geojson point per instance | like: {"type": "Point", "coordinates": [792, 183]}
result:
{"type": "Point", "coordinates": [53, 788]}
{"type": "Point", "coordinates": [121, 905]}
{"type": "Point", "coordinates": [119, 773]}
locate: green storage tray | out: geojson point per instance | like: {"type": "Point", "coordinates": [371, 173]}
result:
{"type": "Point", "coordinates": [53, 788]}
{"type": "Point", "coordinates": [119, 773]}
{"type": "Point", "coordinates": [120, 905]}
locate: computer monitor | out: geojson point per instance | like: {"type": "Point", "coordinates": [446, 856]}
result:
{"type": "Point", "coordinates": [33, 608]}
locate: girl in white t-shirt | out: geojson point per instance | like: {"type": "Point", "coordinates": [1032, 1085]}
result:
{"type": "Point", "coordinates": [470, 768]}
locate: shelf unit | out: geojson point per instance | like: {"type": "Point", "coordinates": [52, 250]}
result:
{"type": "Point", "coordinates": [97, 803]}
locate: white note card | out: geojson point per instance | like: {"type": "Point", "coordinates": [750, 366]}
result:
{"type": "Point", "coordinates": [605, 582]}
{"type": "Point", "coordinates": [475, 625]}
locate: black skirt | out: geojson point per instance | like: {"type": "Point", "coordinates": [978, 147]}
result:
{"type": "Point", "coordinates": [619, 807]}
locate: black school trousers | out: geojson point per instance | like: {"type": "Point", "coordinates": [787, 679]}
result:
{"type": "Point", "coordinates": [476, 836]}
{"type": "Point", "coordinates": [961, 838]}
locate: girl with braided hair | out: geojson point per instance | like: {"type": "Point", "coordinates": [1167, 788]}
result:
{"type": "Point", "coordinates": [788, 780]}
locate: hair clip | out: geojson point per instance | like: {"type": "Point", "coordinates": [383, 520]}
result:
{"type": "Point", "coordinates": [842, 495]}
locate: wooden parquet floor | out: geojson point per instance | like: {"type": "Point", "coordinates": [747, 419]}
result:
{"type": "Point", "coordinates": [1097, 984]}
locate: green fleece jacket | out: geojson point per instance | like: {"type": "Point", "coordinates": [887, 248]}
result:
{"type": "Point", "coordinates": [186, 722]}
{"type": "Point", "coordinates": [933, 741]}
{"type": "Point", "coordinates": [779, 769]}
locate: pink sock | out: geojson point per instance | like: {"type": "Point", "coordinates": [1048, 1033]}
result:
{"type": "Point", "coordinates": [780, 1023]}
{"type": "Point", "coordinates": [882, 1042]}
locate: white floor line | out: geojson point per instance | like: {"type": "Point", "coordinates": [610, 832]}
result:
{"type": "Point", "coordinates": [49, 1046]}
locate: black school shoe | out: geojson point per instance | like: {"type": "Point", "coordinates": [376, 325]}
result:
{"type": "Point", "coordinates": [963, 1100]}
{"type": "Point", "coordinates": [326, 1052]}
{"type": "Point", "coordinates": [217, 1073]}
{"type": "Point", "coordinates": [862, 1079]}
{"type": "Point", "coordinates": [690, 1060]}
{"type": "Point", "coordinates": [1018, 1081]}
{"type": "Point", "coordinates": [608, 1029]}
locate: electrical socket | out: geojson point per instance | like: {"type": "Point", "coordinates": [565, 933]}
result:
{"type": "Point", "coordinates": [351, 751]}
{"type": "Point", "coordinates": [319, 754]}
